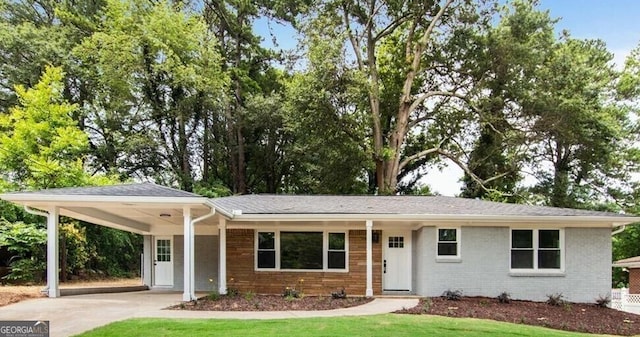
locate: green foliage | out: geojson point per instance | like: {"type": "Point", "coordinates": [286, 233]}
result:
{"type": "Point", "coordinates": [27, 246]}
{"type": "Point", "coordinates": [340, 294]}
{"type": "Point", "coordinates": [556, 299]}
{"type": "Point", "coordinates": [582, 134]}
{"type": "Point", "coordinates": [161, 61]}
{"type": "Point", "coordinates": [504, 297]}
{"type": "Point", "coordinates": [41, 145]}
{"type": "Point", "coordinates": [452, 295]}
{"type": "Point", "coordinates": [603, 301]}
{"type": "Point", "coordinates": [75, 246]}
{"type": "Point", "coordinates": [113, 252]}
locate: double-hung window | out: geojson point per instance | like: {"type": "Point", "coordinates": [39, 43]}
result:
{"type": "Point", "coordinates": [295, 250]}
{"type": "Point", "coordinates": [448, 242]}
{"type": "Point", "coordinates": [536, 249]}
{"type": "Point", "coordinates": [337, 252]}
{"type": "Point", "coordinates": [266, 250]}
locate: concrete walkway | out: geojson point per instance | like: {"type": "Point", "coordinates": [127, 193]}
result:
{"type": "Point", "coordinates": [75, 314]}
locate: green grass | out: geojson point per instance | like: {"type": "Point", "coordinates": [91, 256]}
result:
{"type": "Point", "coordinates": [380, 325]}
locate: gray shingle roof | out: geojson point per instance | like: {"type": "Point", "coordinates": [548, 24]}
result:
{"type": "Point", "coordinates": [132, 190]}
{"type": "Point", "coordinates": [414, 205]}
{"type": "Point", "coordinates": [632, 262]}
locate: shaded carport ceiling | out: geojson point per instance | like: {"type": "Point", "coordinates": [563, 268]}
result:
{"type": "Point", "coordinates": [130, 207]}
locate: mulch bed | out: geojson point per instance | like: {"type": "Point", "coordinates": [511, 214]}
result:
{"type": "Point", "coordinates": [579, 317]}
{"type": "Point", "coordinates": [270, 303]}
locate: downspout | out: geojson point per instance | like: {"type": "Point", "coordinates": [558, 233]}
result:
{"type": "Point", "coordinates": [620, 229]}
{"type": "Point", "coordinates": [35, 212]}
{"type": "Point", "coordinates": [204, 217]}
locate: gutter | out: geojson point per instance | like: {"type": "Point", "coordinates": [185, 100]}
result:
{"type": "Point", "coordinates": [615, 221]}
{"type": "Point", "coordinates": [77, 198]}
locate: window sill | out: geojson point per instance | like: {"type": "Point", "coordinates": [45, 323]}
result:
{"type": "Point", "coordinates": [452, 259]}
{"type": "Point", "coordinates": [532, 273]}
{"type": "Point", "coordinates": [337, 271]}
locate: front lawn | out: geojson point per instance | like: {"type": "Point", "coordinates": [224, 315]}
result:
{"type": "Point", "coordinates": [379, 325]}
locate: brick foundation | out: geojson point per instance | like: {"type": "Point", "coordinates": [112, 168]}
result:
{"type": "Point", "coordinates": [241, 273]}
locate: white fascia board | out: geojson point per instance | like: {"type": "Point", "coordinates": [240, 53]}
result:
{"type": "Point", "coordinates": [65, 198]}
{"type": "Point", "coordinates": [631, 265]}
{"type": "Point", "coordinates": [608, 220]}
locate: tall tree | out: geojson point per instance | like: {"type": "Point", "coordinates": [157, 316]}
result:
{"type": "Point", "coordinates": [511, 54]}
{"type": "Point", "coordinates": [421, 81]}
{"type": "Point", "coordinates": [580, 134]}
{"type": "Point", "coordinates": [41, 145]}
{"type": "Point", "coordinates": [329, 152]}
{"type": "Point", "coordinates": [248, 65]}
{"type": "Point", "coordinates": [161, 65]}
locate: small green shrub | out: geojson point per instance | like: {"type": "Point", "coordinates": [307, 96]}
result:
{"type": "Point", "coordinates": [249, 295]}
{"type": "Point", "coordinates": [556, 299]}
{"type": "Point", "coordinates": [603, 301]}
{"type": "Point", "coordinates": [295, 291]}
{"type": "Point", "coordinates": [452, 295]}
{"type": "Point", "coordinates": [339, 294]}
{"type": "Point", "coordinates": [233, 292]}
{"type": "Point", "coordinates": [426, 305]}
{"type": "Point", "coordinates": [290, 293]}
{"type": "Point", "coordinates": [213, 296]}
{"type": "Point", "coordinates": [504, 297]}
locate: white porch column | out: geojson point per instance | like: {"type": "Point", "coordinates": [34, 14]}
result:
{"type": "Point", "coordinates": [222, 264]}
{"type": "Point", "coordinates": [147, 260]}
{"type": "Point", "coordinates": [369, 291]}
{"type": "Point", "coordinates": [189, 282]}
{"type": "Point", "coordinates": [52, 252]}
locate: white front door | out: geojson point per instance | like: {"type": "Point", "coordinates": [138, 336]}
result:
{"type": "Point", "coordinates": [396, 262]}
{"type": "Point", "coordinates": [163, 261]}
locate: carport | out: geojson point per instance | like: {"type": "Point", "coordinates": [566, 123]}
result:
{"type": "Point", "coordinates": [158, 213]}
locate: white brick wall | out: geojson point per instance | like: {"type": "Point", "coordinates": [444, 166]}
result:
{"type": "Point", "coordinates": [483, 269]}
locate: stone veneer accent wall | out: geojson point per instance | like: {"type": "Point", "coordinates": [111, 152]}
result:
{"type": "Point", "coordinates": [241, 273]}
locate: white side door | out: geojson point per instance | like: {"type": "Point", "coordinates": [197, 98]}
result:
{"type": "Point", "coordinates": [396, 261]}
{"type": "Point", "coordinates": [163, 261]}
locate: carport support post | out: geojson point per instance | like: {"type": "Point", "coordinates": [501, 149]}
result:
{"type": "Point", "coordinates": [222, 264]}
{"type": "Point", "coordinates": [189, 282]}
{"type": "Point", "coordinates": [147, 260]}
{"type": "Point", "coordinates": [52, 252]}
{"type": "Point", "coordinates": [369, 291]}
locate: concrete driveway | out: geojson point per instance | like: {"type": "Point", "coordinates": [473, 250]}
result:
{"type": "Point", "coordinates": [75, 314]}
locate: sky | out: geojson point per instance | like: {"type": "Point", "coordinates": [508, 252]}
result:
{"type": "Point", "coordinates": [616, 22]}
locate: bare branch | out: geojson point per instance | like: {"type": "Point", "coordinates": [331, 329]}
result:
{"type": "Point", "coordinates": [354, 42]}
{"type": "Point", "coordinates": [426, 95]}
{"type": "Point", "coordinates": [420, 155]}
{"type": "Point", "coordinates": [391, 27]}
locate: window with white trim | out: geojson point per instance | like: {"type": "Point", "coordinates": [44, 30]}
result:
{"type": "Point", "coordinates": [536, 249]}
{"type": "Point", "coordinates": [266, 250]}
{"type": "Point", "coordinates": [298, 250]}
{"type": "Point", "coordinates": [337, 253]}
{"type": "Point", "coordinates": [448, 242]}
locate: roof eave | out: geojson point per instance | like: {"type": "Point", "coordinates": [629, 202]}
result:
{"type": "Point", "coordinates": [228, 215]}
{"type": "Point", "coordinates": [613, 221]}
{"type": "Point", "coordinates": [75, 198]}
